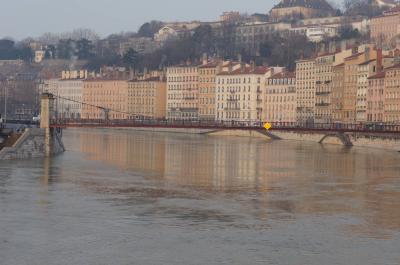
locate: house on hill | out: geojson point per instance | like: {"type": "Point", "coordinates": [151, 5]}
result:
{"type": "Point", "coordinates": [288, 9]}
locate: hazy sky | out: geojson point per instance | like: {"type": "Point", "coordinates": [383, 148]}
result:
{"type": "Point", "coordinates": [23, 18]}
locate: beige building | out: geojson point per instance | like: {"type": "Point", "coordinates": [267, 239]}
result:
{"type": "Point", "coordinates": [365, 70]}
{"type": "Point", "coordinates": [241, 92]}
{"type": "Point", "coordinates": [207, 79]}
{"type": "Point", "coordinates": [305, 91]}
{"type": "Point", "coordinates": [147, 98]}
{"type": "Point", "coordinates": [376, 98]}
{"type": "Point", "coordinates": [183, 92]}
{"type": "Point", "coordinates": [105, 99]}
{"type": "Point", "coordinates": [323, 87]}
{"type": "Point", "coordinates": [392, 95]}
{"type": "Point", "coordinates": [337, 93]}
{"type": "Point", "coordinates": [280, 98]}
{"type": "Point", "coordinates": [384, 28]}
{"type": "Point", "coordinates": [68, 93]}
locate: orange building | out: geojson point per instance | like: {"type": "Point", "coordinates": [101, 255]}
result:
{"type": "Point", "coordinates": [105, 99]}
{"type": "Point", "coordinates": [351, 78]}
{"type": "Point", "coordinates": [207, 76]}
{"type": "Point", "coordinates": [147, 98]}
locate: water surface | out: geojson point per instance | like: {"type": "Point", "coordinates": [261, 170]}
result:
{"type": "Point", "coordinates": [125, 197]}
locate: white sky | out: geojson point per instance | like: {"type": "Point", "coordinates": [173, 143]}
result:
{"type": "Point", "coordinates": [23, 18]}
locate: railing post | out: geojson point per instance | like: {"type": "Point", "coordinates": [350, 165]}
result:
{"type": "Point", "coordinates": [46, 110]}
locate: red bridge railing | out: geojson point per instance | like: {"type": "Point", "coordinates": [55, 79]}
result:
{"type": "Point", "coordinates": [243, 125]}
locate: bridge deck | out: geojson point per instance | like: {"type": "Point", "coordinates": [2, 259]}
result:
{"type": "Point", "coordinates": [322, 128]}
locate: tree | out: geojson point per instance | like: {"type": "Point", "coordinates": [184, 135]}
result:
{"type": "Point", "coordinates": [362, 8]}
{"type": "Point", "coordinates": [130, 58]}
{"type": "Point", "coordinates": [8, 51]}
{"type": "Point", "coordinates": [348, 32]}
{"type": "Point", "coordinates": [66, 49]}
{"type": "Point", "coordinates": [84, 49]}
{"type": "Point", "coordinates": [149, 29]}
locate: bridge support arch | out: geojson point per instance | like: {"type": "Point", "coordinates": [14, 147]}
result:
{"type": "Point", "coordinates": [340, 137]}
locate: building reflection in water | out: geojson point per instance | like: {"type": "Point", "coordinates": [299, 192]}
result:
{"type": "Point", "coordinates": [276, 178]}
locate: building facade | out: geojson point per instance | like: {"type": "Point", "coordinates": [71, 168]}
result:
{"type": "Point", "coordinates": [280, 98]}
{"type": "Point", "coordinates": [240, 94]}
{"type": "Point", "coordinates": [392, 95]}
{"type": "Point", "coordinates": [305, 91]}
{"type": "Point", "coordinates": [323, 88]}
{"type": "Point", "coordinates": [147, 98]}
{"type": "Point", "coordinates": [384, 28]}
{"type": "Point", "coordinates": [183, 92]}
{"type": "Point", "coordinates": [207, 80]}
{"type": "Point", "coordinates": [105, 99]}
{"type": "Point", "coordinates": [376, 98]}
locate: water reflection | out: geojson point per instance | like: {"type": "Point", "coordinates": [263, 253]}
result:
{"type": "Point", "coordinates": [272, 179]}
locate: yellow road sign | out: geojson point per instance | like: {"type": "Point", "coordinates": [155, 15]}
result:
{"type": "Point", "coordinates": [267, 126]}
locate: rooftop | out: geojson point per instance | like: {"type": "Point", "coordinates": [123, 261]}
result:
{"type": "Point", "coordinates": [315, 4]}
{"type": "Point", "coordinates": [259, 70]}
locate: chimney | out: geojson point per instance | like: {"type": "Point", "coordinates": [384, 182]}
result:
{"type": "Point", "coordinates": [253, 65]}
{"type": "Point", "coordinates": [367, 54]}
{"type": "Point", "coordinates": [240, 58]}
{"type": "Point", "coordinates": [205, 58]}
{"type": "Point", "coordinates": [379, 58]}
{"type": "Point", "coordinates": [343, 46]}
{"type": "Point", "coordinates": [354, 50]}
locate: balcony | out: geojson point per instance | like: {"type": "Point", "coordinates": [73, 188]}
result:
{"type": "Point", "coordinates": [322, 104]}
{"type": "Point", "coordinates": [232, 108]}
{"type": "Point", "coordinates": [321, 93]}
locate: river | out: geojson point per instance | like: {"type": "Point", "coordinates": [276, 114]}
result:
{"type": "Point", "coordinates": [125, 197]}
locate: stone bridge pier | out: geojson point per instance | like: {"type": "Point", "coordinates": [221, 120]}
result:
{"type": "Point", "coordinates": [35, 142]}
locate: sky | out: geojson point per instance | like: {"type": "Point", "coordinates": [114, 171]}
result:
{"type": "Point", "coordinates": [32, 18]}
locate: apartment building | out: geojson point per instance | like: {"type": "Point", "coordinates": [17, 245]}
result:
{"type": "Point", "coordinates": [337, 93]}
{"type": "Point", "coordinates": [323, 87]}
{"type": "Point", "coordinates": [375, 98]}
{"type": "Point", "coordinates": [351, 83]}
{"type": "Point", "coordinates": [207, 78]}
{"type": "Point", "coordinates": [147, 98]}
{"type": "Point", "coordinates": [240, 93]}
{"type": "Point", "coordinates": [183, 92]}
{"type": "Point", "coordinates": [280, 98]}
{"type": "Point", "coordinates": [69, 98]}
{"type": "Point", "coordinates": [105, 99]}
{"type": "Point", "coordinates": [365, 70]}
{"type": "Point", "coordinates": [392, 95]}
{"type": "Point", "coordinates": [305, 91]}
{"type": "Point", "coordinates": [68, 93]}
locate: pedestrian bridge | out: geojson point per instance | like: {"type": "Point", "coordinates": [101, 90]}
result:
{"type": "Point", "coordinates": [379, 136]}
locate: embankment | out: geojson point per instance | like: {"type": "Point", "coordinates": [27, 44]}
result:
{"type": "Point", "coordinates": [32, 144]}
